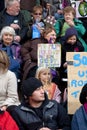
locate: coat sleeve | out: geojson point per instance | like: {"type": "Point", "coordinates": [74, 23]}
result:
{"type": "Point", "coordinates": [12, 95]}
{"type": "Point", "coordinates": [23, 26]}
{"type": "Point", "coordinates": [57, 27]}
{"type": "Point", "coordinates": [80, 28]}
{"type": "Point", "coordinates": [25, 52]}
{"type": "Point", "coordinates": [63, 119]}
{"type": "Point", "coordinates": [15, 116]}
{"type": "Point", "coordinates": [74, 124]}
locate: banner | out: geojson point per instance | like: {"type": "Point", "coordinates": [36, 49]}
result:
{"type": "Point", "coordinates": [49, 55]}
{"type": "Point", "coordinates": [77, 77]}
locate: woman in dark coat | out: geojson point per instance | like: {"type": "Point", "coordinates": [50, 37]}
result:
{"type": "Point", "coordinates": [29, 52]}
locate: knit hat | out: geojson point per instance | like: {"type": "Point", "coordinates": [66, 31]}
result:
{"type": "Point", "coordinates": [30, 85]}
{"type": "Point", "coordinates": [83, 94]}
{"type": "Point", "coordinates": [70, 32]}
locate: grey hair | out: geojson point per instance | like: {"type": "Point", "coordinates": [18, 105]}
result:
{"type": "Point", "coordinates": [10, 2]}
{"type": "Point", "coordinates": [7, 29]}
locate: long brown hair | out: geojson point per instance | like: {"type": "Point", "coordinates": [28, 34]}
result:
{"type": "Point", "coordinates": [4, 61]}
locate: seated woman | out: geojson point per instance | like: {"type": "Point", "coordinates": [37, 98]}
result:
{"type": "Point", "coordinates": [8, 84]}
{"type": "Point", "coordinates": [79, 120]}
{"type": "Point", "coordinates": [36, 25]}
{"type": "Point", "coordinates": [29, 51]}
{"type": "Point", "coordinates": [11, 48]}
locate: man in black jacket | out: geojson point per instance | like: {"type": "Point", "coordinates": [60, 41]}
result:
{"type": "Point", "coordinates": [37, 112]}
{"type": "Point", "coordinates": [12, 16]}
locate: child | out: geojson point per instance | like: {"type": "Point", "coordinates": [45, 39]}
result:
{"type": "Point", "coordinates": [71, 44]}
{"type": "Point", "coordinates": [52, 90]}
{"type": "Point", "coordinates": [70, 21]}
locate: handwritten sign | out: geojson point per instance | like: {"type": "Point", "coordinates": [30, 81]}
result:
{"type": "Point", "coordinates": [81, 9]}
{"type": "Point", "coordinates": [77, 77]}
{"type": "Point", "coordinates": [49, 55]}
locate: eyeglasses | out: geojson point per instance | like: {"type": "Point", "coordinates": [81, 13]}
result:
{"type": "Point", "coordinates": [37, 13]}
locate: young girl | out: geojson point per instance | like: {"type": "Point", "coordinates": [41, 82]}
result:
{"type": "Point", "coordinates": [52, 90]}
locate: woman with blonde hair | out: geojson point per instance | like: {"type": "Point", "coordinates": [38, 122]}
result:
{"type": "Point", "coordinates": [52, 90]}
{"type": "Point", "coordinates": [8, 84]}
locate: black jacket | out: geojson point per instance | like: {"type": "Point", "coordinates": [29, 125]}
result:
{"type": "Point", "coordinates": [21, 22]}
{"type": "Point", "coordinates": [50, 114]}
{"type": "Point", "coordinates": [66, 47]}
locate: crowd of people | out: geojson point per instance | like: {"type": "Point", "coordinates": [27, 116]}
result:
{"type": "Point", "coordinates": [34, 97]}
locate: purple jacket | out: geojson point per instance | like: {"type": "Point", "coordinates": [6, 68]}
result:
{"type": "Point", "coordinates": [15, 48]}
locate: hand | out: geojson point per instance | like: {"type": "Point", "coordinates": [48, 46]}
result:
{"type": "Point", "coordinates": [3, 108]}
{"type": "Point", "coordinates": [65, 65]}
{"type": "Point", "coordinates": [17, 38]}
{"type": "Point", "coordinates": [15, 26]}
{"type": "Point", "coordinates": [70, 22]}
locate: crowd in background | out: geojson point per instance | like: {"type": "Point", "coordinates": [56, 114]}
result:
{"type": "Point", "coordinates": [23, 25]}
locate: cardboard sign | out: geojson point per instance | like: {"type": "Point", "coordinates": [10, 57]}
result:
{"type": "Point", "coordinates": [81, 9]}
{"type": "Point", "coordinates": [49, 55]}
{"type": "Point", "coordinates": [77, 77]}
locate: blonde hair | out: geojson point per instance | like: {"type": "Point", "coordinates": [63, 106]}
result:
{"type": "Point", "coordinates": [42, 69]}
{"type": "Point", "coordinates": [69, 9]}
{"type": "Point", "coordinates": [7, 29]}
{"type": "Point", "coordinates": [4, 61]}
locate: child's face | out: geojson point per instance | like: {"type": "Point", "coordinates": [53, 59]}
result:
{"type": "Point", "coordinates": [72, 40]}
{"type": "Point", "coordinates": [7, 38]}
{"type": "Point", "coordinates": [68, 16]}
{"type": "Point", "coordinates": [45, 76]}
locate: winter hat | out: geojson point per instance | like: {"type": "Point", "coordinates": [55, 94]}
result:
{"type": "Point", "coordinates": [30, 85]}
{"type": "Point", "coordinates": [83, 94]}
{"type": "Point", "coordinates": [70, 32]}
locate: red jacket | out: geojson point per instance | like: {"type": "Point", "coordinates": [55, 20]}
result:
{"type": "Point", "coordinates": [7, 122]}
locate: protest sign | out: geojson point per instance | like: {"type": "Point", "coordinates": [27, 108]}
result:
{"type": "Point", "coordinates": [77, 77]}
{"type": "Point", "coordinates": [49, 55]}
